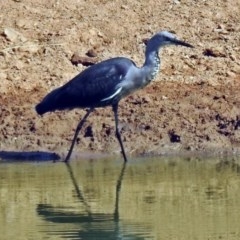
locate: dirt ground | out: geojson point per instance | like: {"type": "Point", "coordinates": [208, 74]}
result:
{"type": "Point", "coordinates": [192, 106]}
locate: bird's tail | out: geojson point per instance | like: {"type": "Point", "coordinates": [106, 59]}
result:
{"type": "Point", "coordinates": [40, 108]}
{"type": "Point", "coordinates": [50, 102]}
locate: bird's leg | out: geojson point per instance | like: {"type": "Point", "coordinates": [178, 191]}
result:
{"type": "Point", "coordinates": [118, 135]}
{"type": "Point", "coordinates": [79, 126]}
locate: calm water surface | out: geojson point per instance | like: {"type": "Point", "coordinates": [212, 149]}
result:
{"type": "Point", "coordinates": [103, 199]}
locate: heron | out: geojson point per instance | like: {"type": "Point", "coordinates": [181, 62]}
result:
{"type": "Point", "coordinates": [106, 83]}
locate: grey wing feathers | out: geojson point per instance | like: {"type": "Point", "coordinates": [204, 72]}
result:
{"type": "Point", "coordinates": [91, 88]}
{"type": "Point", "coordinates": [98, 82]}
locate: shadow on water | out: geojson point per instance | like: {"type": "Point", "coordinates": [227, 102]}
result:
{"type": "Point", "coordinates": [90, 225]}
{"type": "Point", "coordinates": [21, 156]}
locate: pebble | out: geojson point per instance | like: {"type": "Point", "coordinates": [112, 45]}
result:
{"type": "Point", "coordinates": [124, 7]}
{"type": "Point", "coordinates": [91, 53]}
{"type": "Point", "coordinates": [13, 36]}
{"type": "Point", "coordinates": [164, 97]}
{"type": "Point", "coordinates": [22, 23]}
{"type": "Point", "coordinates": [18, 64]}
{"type": "Point", "coordinates": [30, 47]}
{"type": "Point", "coordinates": [233, 57]}
{"type": "Point", "coordinates": [214, 52]}
{"type": "Point", "coordinates": [85, 61]}
{"type": "Point", "coordinates": [230, 74]}
{"type": "Point", "coordinates": [100, 34]}
{"type": "Point", "coordinates": [176, 2]}
{"type": "Point", "coordinates": [236, 69]}
{"type": "Point", "coordinates": [3, 75]}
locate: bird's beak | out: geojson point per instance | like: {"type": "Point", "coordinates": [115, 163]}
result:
{"type": "Point", "coordinates": [182, 43]}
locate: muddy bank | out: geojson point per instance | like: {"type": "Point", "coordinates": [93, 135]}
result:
{"type": "Point", "coordinates": [192, 106]}
{"type": "Point", "coordinates": [165, 118]}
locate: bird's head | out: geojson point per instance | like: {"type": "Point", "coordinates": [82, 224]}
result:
{"type": "Point", "coordinates": [164, 38]}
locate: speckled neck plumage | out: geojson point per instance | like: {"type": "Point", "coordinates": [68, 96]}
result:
{"type": "Point", "coordinates": [156, 66]}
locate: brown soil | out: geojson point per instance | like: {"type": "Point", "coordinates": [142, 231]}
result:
{"type": "Point", "coordinates": [193, 104]}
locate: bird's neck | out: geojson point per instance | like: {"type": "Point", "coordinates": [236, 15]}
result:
{"type": "Point", "coordinates": [151, 65]}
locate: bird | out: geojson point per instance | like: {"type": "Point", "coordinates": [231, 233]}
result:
{"type": "Point", "coordinates": [106, 83]}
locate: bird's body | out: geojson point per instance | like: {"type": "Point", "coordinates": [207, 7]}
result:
{"type": "Point", "coordinates": [106, 83]}
{"type": "Point", "coordinates": [101, 85]}
{"type": "Point", "coordinates": [96, 86]}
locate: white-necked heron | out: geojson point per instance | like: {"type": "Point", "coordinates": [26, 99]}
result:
{"type": "Point", "coordinates": [106, 83]}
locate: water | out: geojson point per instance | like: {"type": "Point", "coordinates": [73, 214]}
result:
{"type": "Point", "coordinates": [103, 199]}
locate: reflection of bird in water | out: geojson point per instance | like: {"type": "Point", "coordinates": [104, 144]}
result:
{"type": "Point", "coordinates": [106, 83]}
{"type": "Point", "coordinates": [89, 225]}
{"type": "Point", "coordinates": [228, 164]}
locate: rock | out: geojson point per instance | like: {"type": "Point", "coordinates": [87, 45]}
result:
{"type": "Point", "coordinates": [124, 7]}
{"type": "Point", "coordinates": [30, 47]}
{"type": "Point", "coordinates": [85, 61]}
{"type": "Point", "coordinates": [19, 65]}
{"type": "Point", "coordinates": [233, 57]}
{"type": "Point", "coordinates": [176, 2]}
{"type": "Point", "coordinates": [214, 52]}
{"type": "Point", "coordinates": [146, 99]}
{"type": "Point", "coordinates": [100, 34]}
{"type": "Point", "coordinates": [91, 53]}
{"type": "Point", "coordinates": [22, 23]}
{"type": "Point", "coordinates": [230, 74]}
{"type": "Point", "coordinates": [13, 36]}
{"type": "Point", "coordinates": [164, 97]}
{"type": "Point", "coordinates": [92, 32]}
{"type": "Point", "coordinates": [236, 69]}
{"type": "Point", "coordinates": [3, 75]}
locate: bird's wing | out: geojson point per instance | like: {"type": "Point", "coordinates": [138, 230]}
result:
{"type": "Point", "coordinates": [98, 83]}
{"type": "Point", "coordinates": [97, 86]}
